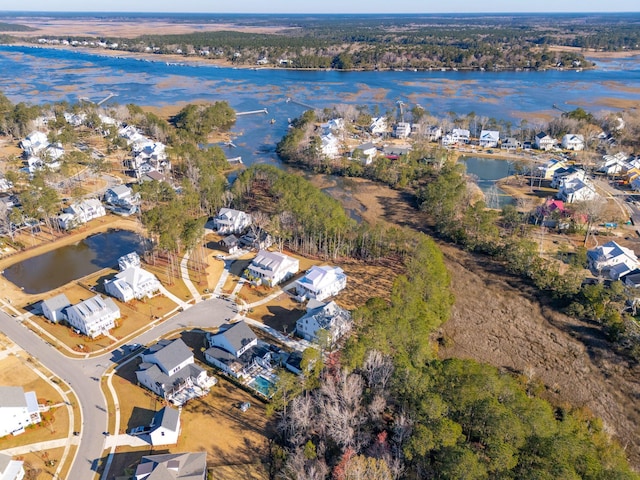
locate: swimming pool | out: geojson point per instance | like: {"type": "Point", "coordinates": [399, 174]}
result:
{"type": "Point", "coordinates": [263, 385]}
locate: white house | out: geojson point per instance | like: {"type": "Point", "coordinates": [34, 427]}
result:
{"type": "Point", "coordinates": [133, 282]}
{"type": "Point", "coordinates": [169, 370]}
{"type": "Point", "coordinates": [34, 143]}
{"type": "Point", "coordinates": [433, 133]}
{"type": "Point", "coordinates": [564, 174]}
{"type": "Point", "coordinates": [378, 126]}
{"type": "Point", "coordinates": [10, 469]}
{"type": "Point", "coordinates": [81, 212]}
{"type": "Point", "coordinates": [576, 190]}
{"type": "Point", "coordinates": [94, 316]}
{"type": "Point", "coordinates": [336, 321]}
{"type": "Point", "coordinates": [53, 308]}
{"type": "Point", "coordinates": [230, 221]}
{"type": "Point", "coordinates": [235, 349]}
{"type": "Point", "coordinates": [271, 268]}
{"type": "Point", "coordinates": [573, 142]}
{"type": "Point", "coordinates": [165, 427]}
{"type": "Point", "coordinates": [402, 130]}
{"type": "Point", "coordinates": [320, 283]}
{"type": "Point", "coordinates": [510, 143]}
{"type": "Point", "coordinates": [489, 138]}
{"type": "Point", "coordinates": [334, 125]}
{"type": "Point", "coordinates": [129, 260]}
{"type": "Point", "coordinates": [172, 466]}
{"type": "Point", "coordinates": [614, 164]}
{"type": "Point", "coordinates": [18, 410]}
{"type": "Point", "coordinates": [368, 151]}
{"type": "Point", "coordinates": [121, 195]}
{"type": "Point", "coordinates": [329, 145]}
{"type": "Point", "coordinates": [457, 136]}
{"type": "Point", "coordinates": [612, 260]}
{"type": "Point", "coordinates": [542, 141]}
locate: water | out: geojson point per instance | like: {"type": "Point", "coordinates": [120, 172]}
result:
{"type": "Point", "coordinates": [262, 385]}
{"type": "Point", "coordinates": [65, 264]}
{"type": "Point", "coordinates": [39, 75]}
{"type": "Point", "coordinates": [488, 171]}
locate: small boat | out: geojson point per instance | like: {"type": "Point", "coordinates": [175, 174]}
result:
{"type": "Point", "coordinates": [272, 121]}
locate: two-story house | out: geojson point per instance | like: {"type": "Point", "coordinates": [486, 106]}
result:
{"type": "Point", "coordinates": [18, 410]}
{"type": "Point", "coordinates": [331, 318]}
{"type": "Point", "coordinates": [94, 316]}
{"type": "Point", "coordinates": [133, 282]}
{"type": "Point", "coordinates": [230, 221]}
{"type": "Point", "coordinates": [320, 283]}
{"type": "Point", "coordinates": [271, 268]}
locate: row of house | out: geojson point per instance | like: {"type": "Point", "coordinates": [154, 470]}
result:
{"type": "Point", "coordinates": [39, 154]}
{"type": "Point", "coordinates": [573, 183]}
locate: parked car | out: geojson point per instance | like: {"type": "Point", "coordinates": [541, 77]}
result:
{"type": "Point", "coordinates": [244, 406]}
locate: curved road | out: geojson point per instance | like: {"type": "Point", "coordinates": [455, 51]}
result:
{"type": "Point", "coordinates": [80, 374]}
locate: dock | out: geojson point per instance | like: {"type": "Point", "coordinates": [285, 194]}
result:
{"type": "Point", "coordinates": [234, 161]}
{"type": "Point", "coordinates": [305, 105]}
{"type": "Point", "coordinates": [252, 112]}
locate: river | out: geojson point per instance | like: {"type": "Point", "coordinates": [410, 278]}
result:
{"type": "Point", "coordinates": [40, 75]}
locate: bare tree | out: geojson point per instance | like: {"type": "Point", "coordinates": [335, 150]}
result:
{"type": "Point", "coordinates": [377, 370]}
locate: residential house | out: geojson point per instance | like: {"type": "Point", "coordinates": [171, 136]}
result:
{"type": "Point", "coordinates": [10, 469]}
{"type": "Point", "coordinates": [80, 213]}
{"type": "Point", "coordinates": [172, 466]}
{"type": "Point", "coordinates": [330, 145]}
{"type": "Point", "coordinates": [53, 309]}
{"type": "Point", "coordinates": [94, 316]}
{"type": "Point", "coordinates": [5, 184]}
{"type": "Point", "coordinates": [335, 125]}
{"type": "Point", "coordinates": [121, 196]}
{"type": "Point", "coordinates": [129, 260]}
{"type": "Point", "coordinates": [510, 143]}
{"type": "Point", "coordinates": [378, 126]}
{"type": "Point", "coordinates": [567, 173]}
{"type": "Point", "coordinates": [612, 260]}
{"type": "Point", "coordinates": [271, 268]}
{"type": "Point", "coordinates": [402, 130]}
{"type": "Point", "coordinates": [320, 283]}
{"type": "Point", "coordinates": [573, 142]}
{"type": "Point", "coordinates": [573, 190]}
{"type": "Point", "coordinates": [231, 221]}
{"type": "Point", "coordinates": [393, 152]}
{"type": "Point", "coordinates": [229, 244]}
{"type": "Point", "coordinates": [165, 427]}
{"type": "Point", "coordinates": [542, 141]}
{"type": "Point", "coordinates": [169, 370]}
{"type": "Point", "coordinates": [75, 119]}
{"type": "Point", "coordinates": [18, 410]}
{"type": "Point", "coordinates": [550, 212]}
{"type": "Point", "coordinates": [458, 136]}
{"type": "Point", "coordinates": [548, 170]}
{"type": "Point", "coordinates": [489, 138]}
{"type": "Point", "coordinates": [331, 318]}
{"type": "Point", "coordinates": [237, 351]}
{"type": "Point", "coordinates": [34, 143]}
{"type": "Point", "coordinates": [433, 133]}
{"type": "Point", "coordinates": [365, 152]}
{"type": "Point", "coordinates": [133, 282]}
{"type": "Point", "coordinates": [259, 241]}
{"type": "Point", "coordinates": [614, 164]}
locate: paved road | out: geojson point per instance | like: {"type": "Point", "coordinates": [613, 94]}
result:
{"type": "Point", "coordinates": [83, 374]}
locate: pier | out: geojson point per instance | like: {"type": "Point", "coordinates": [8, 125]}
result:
{"type": "Point", "coordinates": [234, 161]}
{"type": "Point", "coordinates": [305, 105]}
{"type": "Point", "coordinates": [252, 112]}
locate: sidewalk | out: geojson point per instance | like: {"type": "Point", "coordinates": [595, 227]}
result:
{"type": "Point", "coordinates": [38, 447]}
{"type": "Point", "coordinates": [184, 273]}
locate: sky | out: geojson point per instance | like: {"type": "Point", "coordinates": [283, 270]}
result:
{"type": "Point", "coordinates": [323, 6]}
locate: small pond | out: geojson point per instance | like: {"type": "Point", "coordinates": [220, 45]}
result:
{"type": "Point", "coordinates": [65, 264]}
{"type": "Point", "coordinates": [487, 171]}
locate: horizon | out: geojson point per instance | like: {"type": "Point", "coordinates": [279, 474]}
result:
{"type": "Point", "coordinates": [447, 13]}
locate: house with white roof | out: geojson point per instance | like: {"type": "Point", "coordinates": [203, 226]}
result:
{"type": "Point", "coordinates": [172, 466]}
{"type": "Point", "coordinates": [11, 469]}
{"type": "Point", "coordinates": [18, 410]}
{"type": "Point", "coordinates": [457, 136]}
{"type": "Point", "coordinates": [366, 152]}
{"type": "Point", "coordinates": [121, 196]}
{"type": "Point", "coordinates": [614, 164]}
{"type": "Point", "coordinates": [237, 351]}
{"type": "Point", "coordinates": [330, 146]}
{"type": "Point", "coordinates": [34, 143]}
{"type": "Point", "coordinates": [573, 142]}
{"type": "Point", "coordinates": [612, 260]}
{"type": "Point", "coordinates": [510, 143]}
{"type": "Point", "coordinates": [75, 119]}
{"type": "Point", "coordinates": [573, 190]}
{"type": "Point", "coordinates": [489, 138]}
{"type": "Point", "coordinates": [80, 213]}
{"type": "Point", "coordinates": [54, 308]}
{"type": "Point", "coordinates": [336, 321]}
{"type": "Point", "coordinates": [129, 260]}
{"type": "Point", "coordinates": [542, 141]}
{"type": "Point", "coordinates": [320, 283]}
{"type": "Point", "coordinates": [168, 369]}
{"type": "Point", "coordinates": [378, 126]}
{"type": "Point", "coordinates": [94, 316]}
{"type": "Point", "coordinates": [5, 184]}
{"type": "Point", "coordinates": [230, 221]}
{"type": "Point", "coordinates": [271, 268]}
{"type": "Point", "coordinates": [334, 125]}
{"type": "Point", "coordinates": [563, 174]}
{"type": "Point", "coordinates": [133, 282]}
{"type": "Point", "coordinates": [433, 133]}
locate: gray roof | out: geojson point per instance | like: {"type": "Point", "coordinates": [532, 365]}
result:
{"type": "Point", "coordinates": [4, 462]}
{"type": "Point", "coordinates": [12, 397]}
{"type": "Point", "coordinates": [166, 418]}
{"type": "Point", "coordinates": [94, 307]}
{"type": "Point", "coordinates": [169, 353]}
{"type": "Point", "coordinates": [176, 466]}
{"type": "Point", "coordinates": [238, 335]}
{"type": "Point", "coordinates": [57, 303]}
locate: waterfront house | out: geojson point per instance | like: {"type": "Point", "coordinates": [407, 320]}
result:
{"type": "Point", "coordinates": [172, 466]}
{"type": "Point", "coordinates": [18, 410]}
{"type": "Point", "coordinates": [458, 136]}
{"type": "Point", "coordinates": [34, 143]}
{"type": "Point", "coordinates": [271, 268]}
{"type": "Point", "coordinates": [168, 369]}
{"type": "Point", "coordinates": [402, 130]}
{"type": "Point", "coordinates": [165, 427]}
{"type": "Point", "coordinates": [230, 221]}
{"type": "Point", "coordinates": [237, 351]}
{"type": "Point", "coordinates": [335, 125]}
{"type": "Point", "coordinates": [378, 126]}
{"type": "Point", "coordinates": [334, 320]}
{"type": "Point", "coordinates": [121, 196]}
{"type": "Point", "coordinates": [573, 190]}
{"type": "Point", "coordinates": [567, 173]}
{"type": "Point", "coordinates": [330, 146]}
{"type": "Point", "coordinates": [80, 213]}
{"type": "Point", "coordinates": [365, 152]}
{"type": "Point", "coordinates": [573, 142]}
{"type": "Point", "coordinates": [433, 133]}
{"type": "Point", "coordinates": [229, 244]}
{"type": "Point", "coordinates": [320, 283]}
{"type": "Point", "coordinates": [133, 282]}
{"type": "Point", "coordinates": [612, 260]}
{"type": "Point", "coordinates": [94, 316]}
{"type": "Point", "coordinates": [489, 138]}
{"type": "Point", "coordinates": [542, 141]}
{"type": "Point", "coordinates": [10, 469]}
{"type": "Point", "coordinates": [74, 119]}
{"type": "Point", "coordinates": [510, 143]}
{"type": "Point", "coordinates": [53, 309]}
